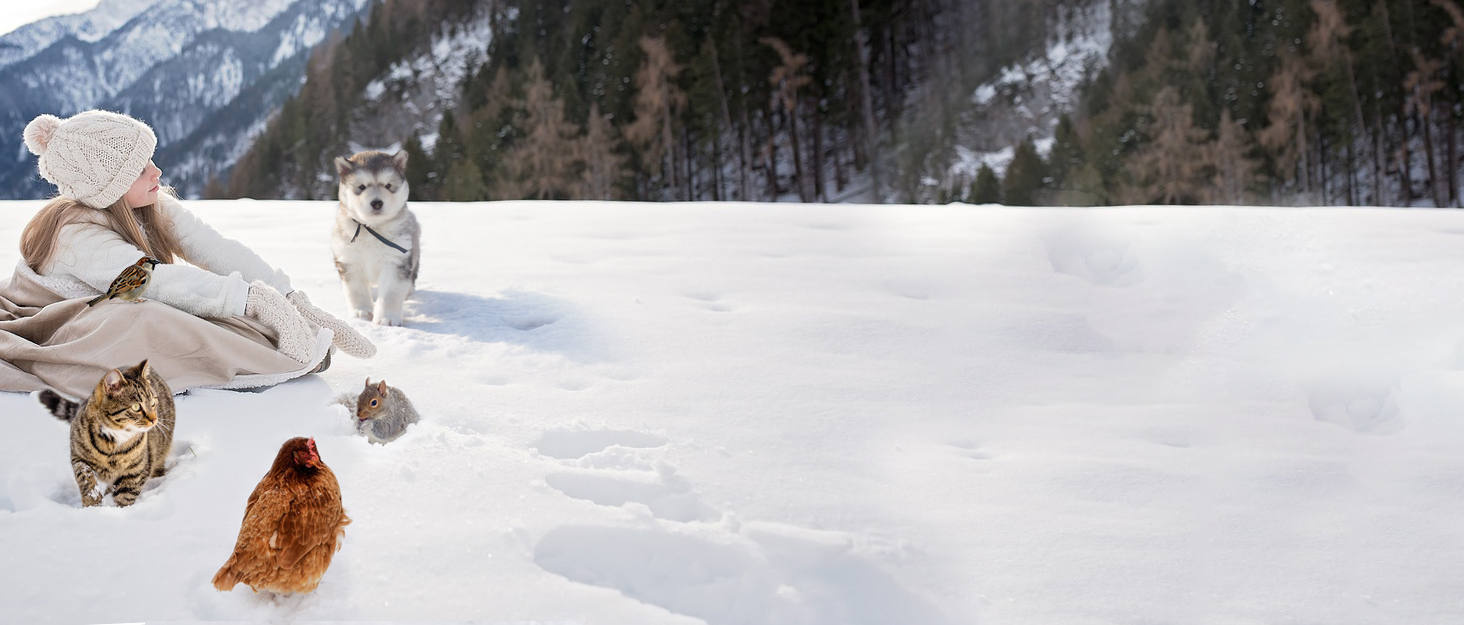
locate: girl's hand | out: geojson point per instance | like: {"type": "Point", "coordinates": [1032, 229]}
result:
{"type": "Point", "coordinates": [347, 339]}
{"type": "Point", "coordinates": [296, 337]}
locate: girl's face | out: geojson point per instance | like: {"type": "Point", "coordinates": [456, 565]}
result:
{"type": "Point", "coordinates": [145, 191]}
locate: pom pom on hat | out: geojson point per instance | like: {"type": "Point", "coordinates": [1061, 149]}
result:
{"type": "Point", "coordinates": [92, 157]}
{"type": "Point", "coordinates": [39, 131]}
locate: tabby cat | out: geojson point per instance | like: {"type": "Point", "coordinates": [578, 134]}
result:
{"type": "Point", "coordinates": [120, 436]}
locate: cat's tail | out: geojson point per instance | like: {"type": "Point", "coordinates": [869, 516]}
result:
{"type": "Point", "coordinates": [60, 407]}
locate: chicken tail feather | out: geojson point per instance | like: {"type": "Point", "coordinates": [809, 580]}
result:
{"type": "Point", "coordinates": [226, 578]}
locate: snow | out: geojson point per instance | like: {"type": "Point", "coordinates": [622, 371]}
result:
{"type": "Point", "coordinates": [809, 414]}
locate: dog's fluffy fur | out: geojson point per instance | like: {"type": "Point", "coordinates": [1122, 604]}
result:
{"type": "Point", "coordinates": [373, 194]}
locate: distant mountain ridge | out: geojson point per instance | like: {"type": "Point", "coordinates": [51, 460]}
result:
{"type": "Point", "coordinates": [177, 64]}
{"type": "Point", "coordinates": [24, 42]}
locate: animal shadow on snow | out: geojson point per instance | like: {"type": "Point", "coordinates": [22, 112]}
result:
{"type": "Point", "coordinates": [517, 317]}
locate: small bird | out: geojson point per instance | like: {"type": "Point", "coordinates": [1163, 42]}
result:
{"type": "Point", "coordinates": [131, 283]}
{"type": "Point", "coordinates": [292, 526]}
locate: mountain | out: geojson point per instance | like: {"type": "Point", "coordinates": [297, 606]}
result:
{"type": "Point", "coordinates": [26, 41]}
{"type": "Point", "coordinates": [204, 73]}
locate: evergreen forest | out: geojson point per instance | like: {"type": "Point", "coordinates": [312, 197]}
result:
{"type": "Point", "coordinates": [1328, 102]}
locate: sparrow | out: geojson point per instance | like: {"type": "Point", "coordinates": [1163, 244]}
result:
{"type": "Point", "coordinates": [131, 283]}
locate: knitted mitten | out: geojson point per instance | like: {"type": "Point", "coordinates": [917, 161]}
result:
{"type": "Point", "coordinates": [297, 338]}
{"type": "Point", "coordinates": [347, 339]}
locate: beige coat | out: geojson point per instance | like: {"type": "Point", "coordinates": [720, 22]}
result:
{"type": "Point", "coordinates": [47, 341]}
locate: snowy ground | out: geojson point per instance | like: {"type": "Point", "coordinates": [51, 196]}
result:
{"type": "Point", "coordinates": [771, 414]}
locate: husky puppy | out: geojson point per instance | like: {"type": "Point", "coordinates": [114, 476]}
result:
{"type": "Point", "coordinates": [376, 238]}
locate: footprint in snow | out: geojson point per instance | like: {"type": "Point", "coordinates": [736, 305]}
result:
{"type": "Point", "coordinates": [667, 496]}
{"type": "Point", "coordinates": [571, 444]}
{"type": "Point", "coordinates": [614, 472]}
{"type": "Point", "coordinates": [757, 573]}
{"type": "Point", "coordinates": [762, 574]}
{"type": "Point", "coordinates": [970, 450]}
{"type": "Point", "coordinates": [710, 300]}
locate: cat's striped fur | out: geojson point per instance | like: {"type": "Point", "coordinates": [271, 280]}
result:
{"type": "Point", "coordinates": [120, 436]}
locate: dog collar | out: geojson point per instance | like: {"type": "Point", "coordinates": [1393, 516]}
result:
{"type": "Point", "coordinates": [378, 236]}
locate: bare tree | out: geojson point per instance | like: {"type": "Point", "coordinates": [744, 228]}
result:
{"type": "Point", "coordinates": [1292, 104]}
{"type": "Point", "coordinates": [603, 166]}
{"type": "Point", "coordinates": [1453, 40]}
{"type": "Point", "coordinates": [1421, 85]}
{"type": "Point", "coordinates": [866, 106]}
{"type": "Point", "coordinates": [1169, 168]}
{"type": "Point", "coordinates": [1327, 41]}
{"type": "Point", "coordinates": [787, 79]}
{"type": "Point", "coordinates": [1234, 168]}
{"type": "Point", "coordinates": [541, 164]}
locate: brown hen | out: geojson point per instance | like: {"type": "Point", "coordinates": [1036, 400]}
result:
{"type": "Point", "coordinates": [293, 524]}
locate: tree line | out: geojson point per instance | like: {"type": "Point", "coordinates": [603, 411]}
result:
{"type": "Point", "coordinates": [1328, 102]}
{"type": "Point", "coordinates": [1202, 101]}
{"type": "Point", "coordinates": [662, 99]}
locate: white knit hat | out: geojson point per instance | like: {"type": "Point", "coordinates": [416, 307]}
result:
{"type": "Point", "coordinates": [92, 157]}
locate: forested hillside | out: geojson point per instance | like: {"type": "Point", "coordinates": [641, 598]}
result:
{"type": "Point", "coordinates": [1339, 102]}
{"type": "Point", "coordinates": [706, 100]}
{"type": "Point", "coordinates": [1199, 101]}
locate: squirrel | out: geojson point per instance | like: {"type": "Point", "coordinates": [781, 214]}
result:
{"type": "Point", "coordinates": [382, 412]}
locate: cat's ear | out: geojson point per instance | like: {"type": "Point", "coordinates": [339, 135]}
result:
{"type": "Point", "coordinates": [113, 380]}
{"type": "Point", "coordinates": [144, 371]}
{"type": "Point", "coordinates": [381, 388]}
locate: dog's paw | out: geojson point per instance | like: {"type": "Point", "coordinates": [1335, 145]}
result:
{"type": "Point", "coordinates": [362, 314]}
{"type": "Point", "coordinates": [388, 320]}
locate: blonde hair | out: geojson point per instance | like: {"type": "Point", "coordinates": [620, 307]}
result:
{"type": "Point", "coordinates": [147, 227]}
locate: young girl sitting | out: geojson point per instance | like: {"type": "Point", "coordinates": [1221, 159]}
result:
{"type": "Point", "coordinates": [225, 320]}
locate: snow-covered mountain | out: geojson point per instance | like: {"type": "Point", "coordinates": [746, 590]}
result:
{"type": "Point", "coordinates": [26, 41]}
{"type": "Point", "coordinates": [217, 67]}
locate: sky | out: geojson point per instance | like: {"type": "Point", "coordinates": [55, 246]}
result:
{"type": "Point", "coordinates": [13, 14]}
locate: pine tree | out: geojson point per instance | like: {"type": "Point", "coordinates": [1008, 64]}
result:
{"type": "Point", "coordinates": [1066, 153]}
{"type": "Point", "coordinates": [1024, 176]}
{"type": "Point", "coordinates": [419, 183]}
{"type": "Point", "coordinates": [464, 183]}
{"type": "Point", "coordinates": [987, 187]}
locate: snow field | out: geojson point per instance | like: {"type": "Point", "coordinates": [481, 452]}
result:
{"type": "Point", "coordinates": [743, 413]}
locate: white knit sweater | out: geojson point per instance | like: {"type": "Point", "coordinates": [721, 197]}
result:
{"type": "Point", "coordinates": [89, 256]}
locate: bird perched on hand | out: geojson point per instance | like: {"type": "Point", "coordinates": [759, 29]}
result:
{"type": "Point", "coordinates": [293, 524]}
{"type": "Point", "coordinates": [131, 283]}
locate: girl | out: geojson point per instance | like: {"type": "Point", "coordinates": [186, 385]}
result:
{"type": "Point", "coordinates": [226, 320]}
